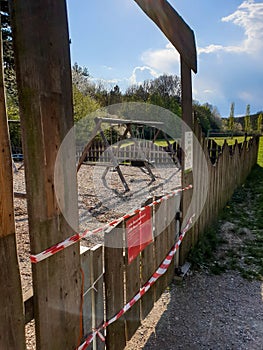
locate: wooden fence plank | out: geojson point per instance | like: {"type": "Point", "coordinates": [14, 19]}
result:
{"type": "Point", "coordinates": [147, 270]}
{"type": "Point", "coordinates": [132, 317]}
{"type": "Point", "coordinates": [45, 98]}
{"type": "Point", "coordinates": [173, 206]}
{"type": "Point", "coordinates": [86, 263]}
{"type": "Point", "coordinates": [114, 287]}
{"type": "Point", "coordinates": [148, 267]}
{"type": "Point", "coordinates": [160, 243]}
{"type": "Point", "coordinates": [12, 332]}
{"type": "Point", "coordinates": [97, 293]}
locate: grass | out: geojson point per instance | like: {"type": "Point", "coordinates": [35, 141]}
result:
{"type": "Point", "coordinates": [240, 247]}
{"type": "Point", "coordinates": [231, 141]}
{"type": "Point", "coordinates": [163, 143]}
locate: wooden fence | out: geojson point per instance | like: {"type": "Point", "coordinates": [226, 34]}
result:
{"type": "Point", "coordinates": [228, 168]}
{"type": "Point", "coordinates": [129, 151]}
{"type": "Point", "coordinates": [110, 280]}
{"type": "Point", "coordinates": [110, 267]}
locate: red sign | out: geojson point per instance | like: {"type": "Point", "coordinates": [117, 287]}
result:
{"type": "Point", "coordinates": [139, 233]}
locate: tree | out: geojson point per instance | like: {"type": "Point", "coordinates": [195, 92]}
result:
{"type": "Point", "coordinates": [81, 79]}
{"type": "Point", "coordinates": [166, 86]}
{"type": "Point", "coordinates": [231, 120]}
{"type": "Point", "coordinates": [8, 53]}
{"type": "Point", "coordinates": [9, 62]}
{"type": "Point", "coordinates": [207, 116]}
{"type": "Point", "coordinates": [247, 127]}
{"type": "Point", "coordinates": [259, 123]}
{"type": "Point", "coordinates": [83, 104]}
{"type": "Point", "coordinates": [115, 95]}
{"type": "Point", "coordinates": [138, 93]}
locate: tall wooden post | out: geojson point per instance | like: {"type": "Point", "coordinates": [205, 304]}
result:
{"type": "Point", "coordinates": [187, 176]}
{"type": "Point", "coordinates": [41, 45]}
{"type": "Point", "coordinates": [182, 38]}
{"type": "Point", "coordinates": [12, 327]}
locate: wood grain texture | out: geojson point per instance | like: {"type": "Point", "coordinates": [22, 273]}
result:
{"type": "Point", "coordinates": [45, 99]}
{"type": "Point", "coordinates": [132, 317]}
{"type": "Point", "coordinates": [11, 303]}
{"type": "Point", "coordinates": [97, 293]}
{"type": "Point", "coordinates": [114, 287]}
{"type": "Point", "coordinates": [160, 244]}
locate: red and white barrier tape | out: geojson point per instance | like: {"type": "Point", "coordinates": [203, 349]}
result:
{"type": "Point", "coordinates": [158, 273]}
{"type": "Point", "coordinates": [72, 240]}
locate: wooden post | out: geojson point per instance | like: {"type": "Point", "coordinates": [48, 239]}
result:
{"type": "Point", "coordinates": [186, 81]}
{"type": "Point", "coordinates": [12, 331]}
{"type": "Point", "coordinates": [41, 44]}
{"type": "Point", "coordinates": [114, 287]}
{"type": "Point", "coordinates": [187, 178]}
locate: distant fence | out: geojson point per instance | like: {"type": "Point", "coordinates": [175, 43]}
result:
{"type": "Point", "coordinates": [125, 152]}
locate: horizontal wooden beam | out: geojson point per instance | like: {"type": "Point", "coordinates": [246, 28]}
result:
{"type": "Point", "coordinates": [129, 121]}
{"type": "Point", "coordinates": [20, 195]}
{"type": "Point", "coordinates": [173, 27]}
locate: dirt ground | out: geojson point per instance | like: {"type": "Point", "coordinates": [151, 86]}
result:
{"type": "Point", "coordinates": [201, 312]}
{"type": "Point", "coordinates": [205, 312]}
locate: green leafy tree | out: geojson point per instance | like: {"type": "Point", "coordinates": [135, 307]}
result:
{"type": "Point", "coordinates": [9, 62]}
{"type": "Point", "coordinates": [259, 123]}
{"type": "Point", "coordinates": [207, 116]}
{"type": "Point", "coordinates": [115, 95]}
{"type": "Point", "coordinates": [83, 104]}
{"type": "Point", "coordinates": [231, 120]}
{"type": "Point", "coordinates": [247, 121]}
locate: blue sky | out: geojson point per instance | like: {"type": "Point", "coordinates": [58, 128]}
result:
{"type": "Point", "coordinates": [118, 44]}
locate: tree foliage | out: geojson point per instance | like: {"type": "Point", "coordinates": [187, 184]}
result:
{"type": "Point", "coordinates": [231, 120]}
{"type": "Point", "coordinates": [259, 123]}
{"type": "Point", "coordinates": [207, 116]}
{"type": "Point", "coordinates": [83, 105]}
{"type": "Point", "coordinates": [247, 121]}
{"type": "Point", "coordinates": [9, 62]}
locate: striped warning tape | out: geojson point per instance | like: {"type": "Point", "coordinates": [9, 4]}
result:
{"type": "Point", "coordinates": [72, 240]}
{"type": "Point", "coordinates": [158, 273]}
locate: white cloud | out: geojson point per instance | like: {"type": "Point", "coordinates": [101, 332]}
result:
{"type": "Point", "coordinates": [217, 48]}
{"type": "Point", "coordinates": [164, 60]}
{"type": "Point", "coordinates": [107, 67]}
{"type": "Point", "coordinates": [148, 73]}
{"type": "Point", "coordinates": [248, 16]}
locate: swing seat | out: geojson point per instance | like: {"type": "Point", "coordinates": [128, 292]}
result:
{"type": "Point", "coordinates": [18, 157]}
{"type": "Point", "coordinates": [138, 162]}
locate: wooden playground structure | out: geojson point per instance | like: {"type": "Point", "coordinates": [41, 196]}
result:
{"type": "Point", "coordinates": [68, 301]}
{"type": "Point", "coordinates": [140, 153]}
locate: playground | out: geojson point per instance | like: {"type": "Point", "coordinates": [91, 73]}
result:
{"type": "Point", "coordinates": [93, 286]}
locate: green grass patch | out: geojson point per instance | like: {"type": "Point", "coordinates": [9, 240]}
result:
{"type": "Point", "coordinates": [230, 140]}
{"type": "Point", "coordinates": [163, 143]}
{"type": "Point", "coordinates": [260, 152]}
{"type": "Point", "coordinates": [240, 247]}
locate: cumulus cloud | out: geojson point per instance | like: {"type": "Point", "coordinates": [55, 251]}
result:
{"type": "Point", "coordinates": [248, 16]}
{"type": "Point", "coordinates": [164, 60]}
{"type": "Point", "coordinates": [141, 73]}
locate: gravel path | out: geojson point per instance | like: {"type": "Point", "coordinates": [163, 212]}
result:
{"type": "Point", "coordinates": [205, 312]}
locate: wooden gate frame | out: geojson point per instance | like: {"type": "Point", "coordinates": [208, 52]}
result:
{"type": "Point", "coordinates": [41, 45]}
